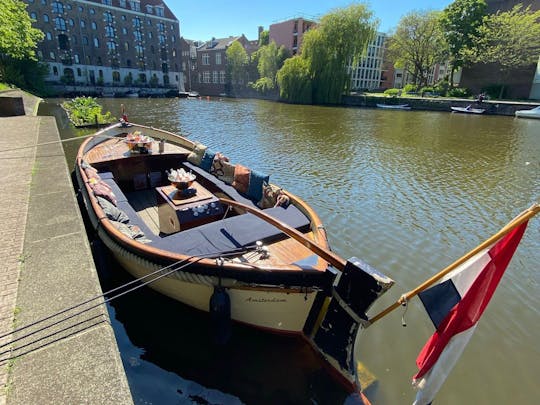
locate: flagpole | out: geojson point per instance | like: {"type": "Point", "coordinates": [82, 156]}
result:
{"type": "Point", "coordinates": [520, 219]}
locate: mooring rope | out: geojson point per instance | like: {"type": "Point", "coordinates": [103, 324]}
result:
{"type": "Point", "coordinates": [170, 269]}
{"type": "Point", "coordinates": [58, 141]}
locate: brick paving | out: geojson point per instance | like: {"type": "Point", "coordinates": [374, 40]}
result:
{"type": "Point", "coordinates": [15, 181]}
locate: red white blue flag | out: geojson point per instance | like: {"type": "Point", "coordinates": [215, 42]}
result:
{"type": "Point", "coordinates": [455, 306]}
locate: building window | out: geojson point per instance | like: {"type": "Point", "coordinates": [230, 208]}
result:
{"type": "Point", "coordinates": [48, 35]}
{"type": "Point", "coordinates": [71, 22]}
{"type": "Point", "coordinates": [150, 35]}
{"type": "Point", "coordinates": [149, 9]}
{"type": "Point", "coordinates": [137, 22]}
{"type": "Point", "coordinates": [33, 16]}
{"type": "Point", "coordinates": [85, 40]}
{"type": "Point", "coordinates": [109, 31]}
{"type": "Point", "coordinates": [76, 58]}
{"type": "Point", "coordinates": [174, 53]}
{"type": "Point", "coordinates": [124, 30]}
{"type": "Point", "coordinates": [128, 62]}
{"type": "Point", "coordinates": [215, 76]}
{"type": "Point", "coordinates": [57, 7]}
{"type": "Point", "coordinates": [206, 77]}
{"type": "Point", "coordinates": [111, 46]}
{"type": "Point", "coordinates": [93, 25]}
{"type": "Point", "coordinates": [54, 69]}
{"type": "Point", "coordinates": [161, 27]}
{"type": "Point", "coordinates": [63, 41]}
{"type": "Point", "coordinates": [44, 2]}
{"type": "Point", "coordinates": [142, 76]}
{"type": "Point", "coordinates": [205, 59]}
{"type": "Point", "coordinates": [218, 58]}
{"type": "Point", "coordinates": [107, 2]}
{"type": "Point", "coordinates": [123, 18]}
{"type": "Point", "coordinates": [99, 61]}
{"type": "Point", "coordinates": [122, 3]}
{"type": "Point", "coordinates": [108, 17]}
{"type": "Point", "coordinates": [116, 76]}
{"type": "Point", "coordinates": [96, 42]}
{"type": "Point", "coordinates": [159, 11]}
{"type": "Point", "coordinates": [166, 80]}
{"type": "Point", "coordinates": [126, 46]}
{"type": "Point", "coordinates": [92, 11]}
{"type": "Point", "coordinates": [161, 39]}
{"type": "Point", "coordinates": [137, 35]}
{"type": "Point", "coordinates": [139, 51]}
{"type": "Point", "coordinates": [164, 68]}
{"type": "Point", "coordinates": [80, 8]}
{"type": "Point", "coordinates": [83, 23]}
{"type": "Point", "coordinates": [79, 73]}
{"type": "Point", "coordinates": [45, 18]}
{"type": "Point", "coordinates": [222, 76]}
{"type": "Point", "coordinates": [60, 24]}
{"type": "Point", "coordinates": [173, 38]}
{"type": "Point", "coordinates": [135, 5]}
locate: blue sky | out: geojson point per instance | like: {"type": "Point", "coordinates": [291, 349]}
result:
{"type": "Point", "coordinates": [222, 18]}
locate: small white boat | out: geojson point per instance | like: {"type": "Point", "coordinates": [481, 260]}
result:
{"type": "Point", "coordinates": [132, 94]}
{"type": "Point", "coordinates": [468, 110]}
{"type": "Point", "coordinates": [534, 113]}
{"type": "Point", "coordinates": [394, 106]}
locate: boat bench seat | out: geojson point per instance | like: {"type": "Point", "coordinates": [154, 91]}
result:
{"type": "Point", "coordinates": [221, 185]}
{"type": "Point", "coordinates": [231, 233]}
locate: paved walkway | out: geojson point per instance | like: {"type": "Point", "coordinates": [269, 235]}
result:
{"type": "Point", "coordinates": [46, 266]}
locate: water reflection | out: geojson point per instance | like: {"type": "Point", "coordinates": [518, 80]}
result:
{"type": "Point", "coordinates": [407, 191]}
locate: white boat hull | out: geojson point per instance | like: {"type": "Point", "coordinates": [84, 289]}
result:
{"type": "Point", "coordinates": [534, 113]}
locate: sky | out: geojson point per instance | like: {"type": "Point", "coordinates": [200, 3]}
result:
{"type": "Point", "coordinates": [223, 18]}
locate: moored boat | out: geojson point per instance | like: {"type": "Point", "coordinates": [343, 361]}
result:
{"type": "Point", "coordinates": [468, 110]}
{"type": "Point", "coordinates": [223, 239]}
{"type": "Point", "coordinates": [533, 113]}
{"type": "Point", "coordinates": [395, 106]}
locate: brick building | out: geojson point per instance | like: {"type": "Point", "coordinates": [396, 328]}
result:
{"type": "Point", "coordinates": [109, 42]}
{"type": "Point", "coordinates": [290, 33]}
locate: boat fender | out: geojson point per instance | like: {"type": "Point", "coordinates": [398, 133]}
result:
{"type": "Point", "coordinates": [220, 312]}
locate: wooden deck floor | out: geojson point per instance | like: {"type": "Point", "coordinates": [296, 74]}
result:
{"type": "Point", "coordinates": [144, 202]}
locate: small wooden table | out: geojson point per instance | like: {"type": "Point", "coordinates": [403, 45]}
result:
{"type": "Point", "coordinates": [177, 212]}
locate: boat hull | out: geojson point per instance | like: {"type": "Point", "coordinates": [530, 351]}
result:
{"type": "Point", "coordinates": [534, 113]}
{"type": "Point", "coordinates": [466, 110]}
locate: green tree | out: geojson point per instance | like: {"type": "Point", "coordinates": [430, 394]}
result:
{"type": "Point", "coordinates": [339, 40]}
{"type": "Point", "coordinates": [237, 62]}
{"type": "Point", "coordinates": [18, 39]}
{"type": "Point", "coordinates": [295, 81]}
{"type": "Point", "coordinates": [509, 40]}
{"type": "Point", "coordinates": [264, 38]}
{"type": "Point", "coordinates": [270, 59]}
{"type": "Point", "coordinates": [417, 44]}
{"type": "Point", "coordinates": [460, 22]}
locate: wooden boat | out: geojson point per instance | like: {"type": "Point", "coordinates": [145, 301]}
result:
{"type": "Point", "coordinates": [257, 255]}
{"type": "Point", "coordinates": [468, 110]}
{"type": "Point", "coordinates": [533, 113]}
{"type": "Point", "coordinates": [394, 106]}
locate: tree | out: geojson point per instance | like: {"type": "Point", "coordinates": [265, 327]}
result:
{"type": "Point", "coordinates": [264, 38]}
{"type": "Point", "coordinates": [237, 61]}
{"type": "Point", "coordinates": [509, 40]}
{"type": "Point", "coordinates": [417, 44]}
{"type": "Point", "coordinates": [460, 22]}
{"type": "Point", "coordinates": [18, 40]}
{"type": "Point", "coordinates": [340, 39]}
{"type": "Point", "coordinates": [294, 80]}
{"type": "Point", "coordinates": [270, 59]}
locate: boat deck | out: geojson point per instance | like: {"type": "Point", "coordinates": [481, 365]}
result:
{"type": "Point", "coordinates": [284, 251]}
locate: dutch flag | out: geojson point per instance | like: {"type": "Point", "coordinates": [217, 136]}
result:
{"type": "Point", "coordinates": [455, 306]}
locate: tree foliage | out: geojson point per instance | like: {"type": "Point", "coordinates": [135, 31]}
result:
{"type": "Point", "coordinates": [294, 80]}
{"type": "Point", "coordinates": [264, 38]}
{"type": "Point", "coordinates": [418, 44]}
{"type": "Point", "coordinates": [509, 40]}
{"type": "Point", "coordinates": [237, 62]}
{"type": "Point", "coordinates": [18, 39]}
{"type": "Point", "coordinates": [340, 39]}
{"type": "Point", "coordinates": [270, 59]}
{"type": "Point", "coordinates": [460, 23]}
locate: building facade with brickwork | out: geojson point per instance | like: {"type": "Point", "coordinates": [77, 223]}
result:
{"type": "Point", "coordinates": [109, 42]}
{"type": "Point", "coordinates": [290, 33]}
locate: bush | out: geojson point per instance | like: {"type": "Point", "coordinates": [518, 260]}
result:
{"type": "Point", "coordinates": [392, 92]}
{"type": "Point", "coordinates": [83, 110]}
{"type": "Point", "coordinates": [459, 92]}
{"type": "Point", "coordinates": [410, 88]}
{"type": "Point", "coordinates": [427, 89]}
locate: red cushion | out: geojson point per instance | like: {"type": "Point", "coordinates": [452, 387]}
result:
{"type": "Point", "coordinates": [241, 178]}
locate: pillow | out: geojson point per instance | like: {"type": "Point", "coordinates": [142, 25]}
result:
{"type": "Point", "coordinates": [270, 194]}
{"type": "Point", "coordinates": [207, 160]}
{"type": "Point", "coordinates": [241, 178]}
{"type": "Point", "coordinates": [92, 173]}
{"type": "Point", "coordinates": [196, 156]}
{"type": "Point", "coordinates": [222, 169]}
{"type": "Point", "coordinates": [112, 212]}
{"type": "Point", "coordinates": [101, 189]}
{"type": "Point", "coordinates": [131, 231]}
{"type": "Point", "coordinates": [256, 181]}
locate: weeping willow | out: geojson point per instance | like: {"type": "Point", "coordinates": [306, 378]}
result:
{"type": "Point", "coordinates": [339, 40]}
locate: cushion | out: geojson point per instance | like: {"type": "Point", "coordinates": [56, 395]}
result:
{"type": "Point", "coordinates": [92, 173]}
{"type": "Point", "coordinates": [207, 160]}
{"type": "Point", "coordinates": [256, 181]}
{"type": "Point", "coordinates": [101, 189]}
{"type": "Point", "coordinates": [270, 193]}
{"type": "Point", "coordinates": [112, 212]}
{"type": "Point", "coordinates": [197, 154]}
{"type": "Point", "coordinates": [222, 169]}
{"type": "Point", "coordinates": [131, 231]}
{"type": "Point", "coordinates": [241, 178]}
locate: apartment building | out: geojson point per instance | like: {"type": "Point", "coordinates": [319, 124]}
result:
{"type": "Point", "coordinates": [367, 74]}
{"type": "Point", "coordinates": [211, 65]}
{"type": "Point", "coordinates": [109, 42]}
{"type": "Point", "coordinates": [290, 33]}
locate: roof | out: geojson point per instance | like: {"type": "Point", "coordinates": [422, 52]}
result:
{"type": "Point", "coordinates": [167, 13]}
{"type": "Point", "coordinates": [219, 43]}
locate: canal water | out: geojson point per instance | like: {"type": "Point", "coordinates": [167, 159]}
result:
{"type": "Point", "coordinates": [409, 192]}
